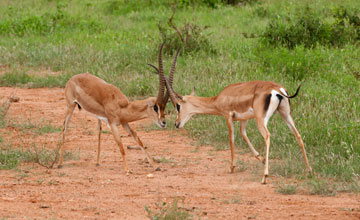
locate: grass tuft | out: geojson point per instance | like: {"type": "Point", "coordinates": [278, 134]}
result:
{"type": "Point", "coordinates": [168, 211]}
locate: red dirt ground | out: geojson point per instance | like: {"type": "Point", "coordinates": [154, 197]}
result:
{"type": "Point", "coordinates": [197, 176]}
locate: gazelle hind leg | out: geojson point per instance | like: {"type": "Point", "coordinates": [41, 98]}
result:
{"type": "Point", "coordinates": [69, 112]}
{"type": "Point", "coordinates": [262, 119]}
{"type": "Point", "coordinates": [266, 135]}
{"type": "Point", "coordinates": [284, 111]}
{"type": "Point", "coordinates": [246, 139]}
{"type": "Point", "coordinates": [230, 125]}
{"type": "Point", "coordinates": [99, 140]}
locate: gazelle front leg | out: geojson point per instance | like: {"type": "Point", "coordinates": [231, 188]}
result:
{"type": "Point", "coordinates": [246, 139]}
{"type": "Point", "coordinates": [115, 132]}
{"type": "Point", "coordinates": [139, 142]}
{"type": "Point", "coordinates": [230, 125]}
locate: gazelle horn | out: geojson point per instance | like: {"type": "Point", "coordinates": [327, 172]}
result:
{"type": "Point", "coordinates": [171, 76]}
{"type": "Point", "coordinates": [159, 99]}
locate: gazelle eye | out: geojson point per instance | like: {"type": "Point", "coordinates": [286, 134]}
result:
{"type": "Point", "coordinates": [177, 107]}
{"type": "Point", "coordinates": [156, 109]}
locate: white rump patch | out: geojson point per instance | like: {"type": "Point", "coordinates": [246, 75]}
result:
{"type": "Point", "coordinates": [283, 91]}
{"type": "Point", "coordinates": [274, 103]}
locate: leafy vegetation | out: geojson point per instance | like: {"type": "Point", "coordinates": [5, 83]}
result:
{"type": "Point", "coordinates": [310, 28]}
{"type": "Point", "coordinates": [315, 43]}
{"type": "Point", "coordinates": [169, 211]}
{"type": "Point", "coordinates": [11, 157]}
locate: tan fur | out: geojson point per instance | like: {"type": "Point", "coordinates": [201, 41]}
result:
{"type": "Point", "coordinates": [241, 102]}
{"type": "Point", "coordinates": [105, 101]}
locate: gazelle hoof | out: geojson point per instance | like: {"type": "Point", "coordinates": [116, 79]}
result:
{"type": "Point", "coordinates": [231, 169]}
{"type": "Point", "coordinates": [263, 181]}
{"type": "Point", "coordinates": [97, 164]}
{"type": "Point", "coordinates": [260, 158]}
{"type": "Point", "coordinates": [158, 169]}
{"type": "Point", "coordinates": [60, 166]}
{"type": "Point", "coordinates": [128, 172]}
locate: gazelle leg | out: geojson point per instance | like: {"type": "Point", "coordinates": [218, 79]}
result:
{"type": "Point", "coordinates": [69, 112]}
{"type": "Point", "coordinates": [230, 125]}
{"type": "Point", "coordinates": [115, 132]}
{"type": "Point", "coordinates": [246, 139]}
{"type": "Point", "coordinates": [99, 139]}
{"type": "Point", "coordinates": [287, 117]}
{"type": "Point", "coordinates": [139, 142]}
{"type": "Point", "coordinates": [262, 119]}
{"type": "Point", "coordinates": [266, 135]}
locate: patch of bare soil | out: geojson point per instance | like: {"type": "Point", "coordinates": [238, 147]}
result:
{"type": "Point", "coordinates": [196, 175]}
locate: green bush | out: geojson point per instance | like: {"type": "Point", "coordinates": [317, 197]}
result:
{"type": "Point", "coordinates": [189, 37]}
{"type": "Point", "coordinates": [309, 29]}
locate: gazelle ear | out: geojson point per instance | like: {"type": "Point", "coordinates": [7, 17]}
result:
{"type": "Point", "coordinates": [193, 91]}
{"type": "Point", "coordinates": [151, 102]}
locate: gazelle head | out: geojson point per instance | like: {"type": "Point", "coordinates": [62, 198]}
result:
{"type": "Point", "coordinates": [184, 107]}
{"type": "Point", "coordinates": [161, 101]}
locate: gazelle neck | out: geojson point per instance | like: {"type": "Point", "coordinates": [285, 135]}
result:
{"type": "Point", "coordinates": [202, 105]}
{"type": "Point", "coordinates": [136, 110]}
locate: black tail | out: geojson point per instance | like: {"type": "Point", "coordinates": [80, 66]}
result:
{"type": "Point", "coordinates": [293, 96]}
{"type": "Point", "coordinates": [78, 105]}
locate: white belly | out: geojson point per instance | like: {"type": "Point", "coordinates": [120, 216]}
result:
{"type": "Point", "coordinates": [102, 118]}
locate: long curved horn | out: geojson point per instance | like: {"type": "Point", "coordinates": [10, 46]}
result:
{"type": "Point", "coordinates": [161, 77]}
{"type": "Point", "coordinates": [173, 96]}
{"type": "Point", "coordinates": [171, 76]}
{"type": "Point", "coordinates": [153, 66]}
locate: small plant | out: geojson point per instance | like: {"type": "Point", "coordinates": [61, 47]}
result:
{"type": "Point", "coordinates": [233, 200]}
{"type": "Point", "coordinates": [168, 212]}
{"type": "Point", "coordinates": [241, 165]}
{"type": "Point", "coordinates": [189, 37]}
{"type": "Point", "coordinates": [322, 187]}
{"type": "Point", "coordinates": [10, 157]}
{"type": "Point", "coordinates": [286, 189]}
{"type": "Point", "coordinates": [4, 107]}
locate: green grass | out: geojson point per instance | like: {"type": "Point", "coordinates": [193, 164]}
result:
{"type": "Point", "coordinates": [34, 127]}
{"type": "Point", "coordinates": [116, 39]}
{"type": "Point", "coordinates": [11, 157]}
{"type": "Point", "coordinates": [4, 107]}
{"type": "Point", "coordinates": [170, 211]}
{"type": "Point", "coordinates": [286, 189]}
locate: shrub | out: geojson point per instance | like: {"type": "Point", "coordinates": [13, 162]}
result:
{"type": "Point", "coordinates": [309, 29]}
{"type": "Point", "coordinates": [240, 2]}
{"type": "Point", "coordinates": [190, 37]}
{"type": "Point", "coordinates": [169, 211]}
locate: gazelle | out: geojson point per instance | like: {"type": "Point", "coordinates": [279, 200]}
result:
{"type": "Point", "coordinates": [241, 102]}
{"type": "Point", "coordinates": [107, 103]}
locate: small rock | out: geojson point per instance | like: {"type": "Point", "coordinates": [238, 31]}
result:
{"type": "Point", "coordinates": [150, 176]}
{"type": "Point", "coordinates": [156, 159]}
{"type": "Point", "coordinates": [14, 99]}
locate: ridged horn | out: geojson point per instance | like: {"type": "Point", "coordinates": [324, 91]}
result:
{"type": "Point", "coordinates": [160, 96]}
{"type": "Point", "coordinates": [171, 76]}
{"type": "Point", "coordinates": [173, 96]}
